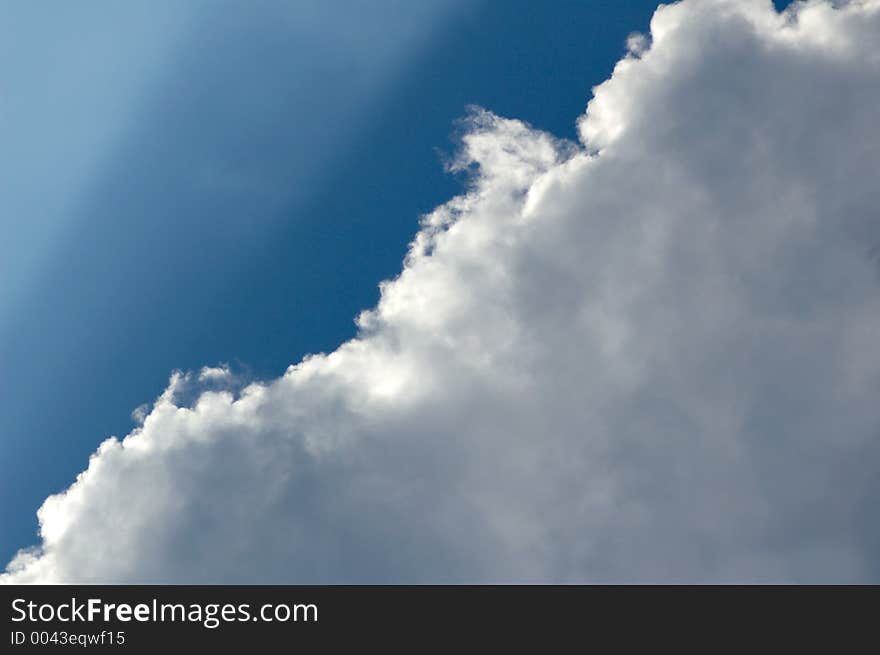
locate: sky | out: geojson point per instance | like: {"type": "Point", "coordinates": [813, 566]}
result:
{"type": "Point", "coordinates": [192, 183]}
{"type": "Point", "coordinates": [630, 340]}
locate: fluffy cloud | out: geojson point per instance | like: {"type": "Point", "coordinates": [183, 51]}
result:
{"type": "Point", "coordinates": [651, 356]}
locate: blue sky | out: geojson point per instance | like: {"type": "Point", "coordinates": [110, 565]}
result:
{"type": "Point", "coordinates": [188, 183]}
{"type": "Point", "coordinates": [646, 353]}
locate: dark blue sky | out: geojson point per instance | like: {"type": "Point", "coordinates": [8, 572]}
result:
{"type": "Point", "coordinates": [195, 183]}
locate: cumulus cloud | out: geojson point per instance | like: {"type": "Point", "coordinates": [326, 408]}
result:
{"type": "Point", "coordinates": [651, 356]}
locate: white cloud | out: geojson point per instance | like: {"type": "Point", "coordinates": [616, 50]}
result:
{"type": "Point", "coordinates": [652, 357]}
